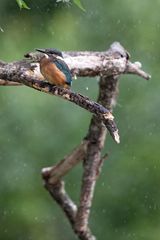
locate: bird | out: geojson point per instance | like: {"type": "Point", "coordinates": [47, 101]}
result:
{"type": "Point", "coordinates": [54, 69]}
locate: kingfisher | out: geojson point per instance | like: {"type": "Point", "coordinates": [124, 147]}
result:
{"type": "Point", "coordinates": [54, 69]}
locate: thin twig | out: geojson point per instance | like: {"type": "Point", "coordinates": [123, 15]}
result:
{"type": "Point", "coordinates": [135, 68]}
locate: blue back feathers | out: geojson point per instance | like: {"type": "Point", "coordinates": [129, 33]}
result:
{"type": "Point", "coordinates": [62, 66]}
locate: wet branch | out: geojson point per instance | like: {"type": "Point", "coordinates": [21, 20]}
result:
{"type": "Point", "coordinates": [109, 65]}
{"type": "Point", "coordinates": [96, 136]}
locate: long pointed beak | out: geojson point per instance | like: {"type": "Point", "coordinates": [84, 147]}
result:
{"type": "Point", "coordinates": [40, 50]}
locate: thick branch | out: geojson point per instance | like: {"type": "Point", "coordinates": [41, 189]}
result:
{"type": "Point", "coordinates": [112, 62]}
{"type": "Point", "coordinates": [96, 137]}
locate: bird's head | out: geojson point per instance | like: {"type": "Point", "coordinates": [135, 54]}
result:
{"type": "Point", "coordinates": [50, 52]}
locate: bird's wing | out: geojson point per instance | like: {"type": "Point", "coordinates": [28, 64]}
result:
{"type": "Point", "coordinates": [62, 66]}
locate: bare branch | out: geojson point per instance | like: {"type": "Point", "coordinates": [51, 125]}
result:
{"type": "Point", "coordinates": [112, 62]}
{"type": "Point", "coordinates": [135, 68]}
{"type": "Point", "coordinates": [59, 194]}
{"type": "Point", "coordinates": [96, 137]}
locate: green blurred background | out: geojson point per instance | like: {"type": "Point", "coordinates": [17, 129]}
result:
{"type": "Point", "coordinates": [37, 130]}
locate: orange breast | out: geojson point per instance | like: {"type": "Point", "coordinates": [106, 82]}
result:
{"type": "Point", "coordinates": [51, 73]}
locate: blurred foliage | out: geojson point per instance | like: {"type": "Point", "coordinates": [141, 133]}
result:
{"type": "Point", "coordinates": [37, 130]}
{"type": "Point", "coordinates": [79, 4]}
{"type": "Point", "coordinates": [22, 3]}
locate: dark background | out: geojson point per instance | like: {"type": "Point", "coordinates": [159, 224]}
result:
{"type": "Point", "coordinates": [37, 130]}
